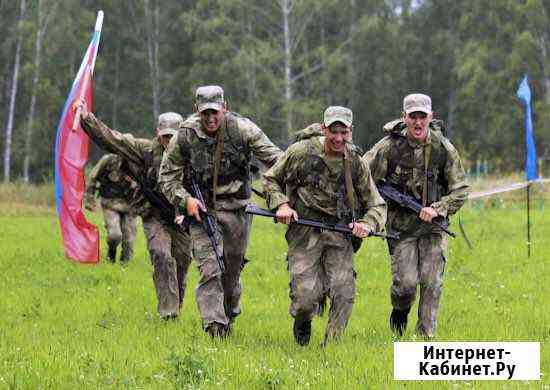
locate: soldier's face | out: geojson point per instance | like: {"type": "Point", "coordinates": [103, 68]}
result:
{"type": "Point", "coordinates": [417, 124]}
{"type": "Point", "coordinates": [212, 119]}
{"type": "Point", "coordinates": [336, 136]}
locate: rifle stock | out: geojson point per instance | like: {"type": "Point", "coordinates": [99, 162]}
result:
{"type": "Point", "coordinates": [156, 199]}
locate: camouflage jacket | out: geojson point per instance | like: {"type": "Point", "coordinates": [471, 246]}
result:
{"type": "Point", "coordinates": [314, 185]}
{"type": "Point", "coordinates": [143, 156]}
{"type": "Point", "coordinates": [115, 188]}
{"type": "Point", "coordinates": [399, 160]}
{"type": "Point", "coordinates": [191, 152]}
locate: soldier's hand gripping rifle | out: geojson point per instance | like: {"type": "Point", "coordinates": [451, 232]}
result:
{"type": "Point", "coordinates": [208, 223]}
{"type": "Point", "coordinates": [340, 228]}
{"type": "Point", "coordinates": [390, 193]}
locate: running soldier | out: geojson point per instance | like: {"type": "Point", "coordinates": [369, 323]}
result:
{"type": "Point", "coordinates": [323, 178]}
{"type": "Point", "coordinates": [169, 246]}
{"type": "Point", "coordinates": [214, 148]}
{"type": "Point", "coordinates": [115, 191]}
{"type": "Point", "coordinates": [416, 159]}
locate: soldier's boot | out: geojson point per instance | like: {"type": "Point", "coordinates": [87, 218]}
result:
{"type": "Point", "coordinates": [168, 316]}
{"type": "Point", "coordinates": [216, 330]}
{"type": "Point", "coordinates": [111, 253]}
{"type": "Point", "coordinates": [125, 255]}
{"type": "Point", "coordinates": [231, 311]}
{"type": "Point", "coordinates": [302, 331]}
{"type": "Point", "coordinates": [398, 321]}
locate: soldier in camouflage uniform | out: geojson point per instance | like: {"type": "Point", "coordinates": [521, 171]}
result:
{"type": "Point", "coordinates": [115, 190]}
{"type": "Point", "coordinates": [215, 147]}
{"type": "Point", "coordinates": [323, 178]}
{"type": "Point", "coordinates": [169, 246]}
{"type": "Point", "coordinates": [418, 160]}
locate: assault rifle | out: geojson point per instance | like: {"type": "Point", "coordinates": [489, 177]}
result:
{"type": "Point", "coordinates": [340, 228]}
{"type": "Point", "coordinates": [157, 199]}
{"type": "Point", "coordinates": [208, 223]}
{"type": "Point", "coordinates": [390, 193]}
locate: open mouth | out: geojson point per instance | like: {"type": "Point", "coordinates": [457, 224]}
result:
{"type": "Point", "coordinates": [418, 131]}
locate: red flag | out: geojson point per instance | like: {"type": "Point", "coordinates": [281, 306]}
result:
{"type": "Point", "coordinates": [80, 238]}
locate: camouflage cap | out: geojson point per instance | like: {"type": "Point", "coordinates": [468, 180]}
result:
{"type": "Point", "coordinates": [338, 114]}
{"type": "Point", "coordinates": [169, 123]}
{"type": "Point", "coordinates": [417, 102]}
{"type": "Point", "coordinates": [209, 97]}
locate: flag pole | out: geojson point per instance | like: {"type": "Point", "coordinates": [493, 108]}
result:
{"type": "Point", "coordinates": [524, 95]}
{"type": "Point", "coordinates": [85, 84]}
{"type": "Point", "coordinates": [528, 219]}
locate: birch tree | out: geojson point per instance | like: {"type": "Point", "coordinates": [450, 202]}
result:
{"type": "Point", "coordinates": [13, 93]}
{"type": "Point", "coordinates": [45, 10]}
{"type": "Point", "coordinates": [152, 36]}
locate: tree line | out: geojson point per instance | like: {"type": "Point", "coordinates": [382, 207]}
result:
{"type": "Point", "coordinates": [281, 62]}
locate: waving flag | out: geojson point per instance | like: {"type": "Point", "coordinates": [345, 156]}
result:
{"type": "Point", "coordinates": [524, 94]}
{"type": "Point", "coordinates": [80, 238]}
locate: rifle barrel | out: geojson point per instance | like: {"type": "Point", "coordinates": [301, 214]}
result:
{"type": "Point", "coordinates": [209, 225]}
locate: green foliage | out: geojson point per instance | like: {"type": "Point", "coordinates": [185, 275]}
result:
{"type": "Point", "coordinates": [468, 55]}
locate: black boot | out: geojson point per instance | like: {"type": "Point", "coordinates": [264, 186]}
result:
{"type": "Point", "coordinates": [216, 330]}
{"type": "Point", "coordinates": [302, 331]}
{"type": "Point", "coordinates": [125, 255]}
{"type": "Point", "coordinates": [111, 253]}
{"type": "Point", "coordinates": [124, 258]}
{"type": "Point", "coordinates": [398, 321]}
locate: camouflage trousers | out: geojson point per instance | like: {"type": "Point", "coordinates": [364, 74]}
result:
{"type": "Point", "coordinates": [218, 296]}
{"type": "Point", "coordinates": [170, 254]}
{"type": "Point", "coordinates": [121, 227]}
{"type": "Point", "coordinates": [321, 264]}
{"type": "Point", "coordinates": [418, 261]}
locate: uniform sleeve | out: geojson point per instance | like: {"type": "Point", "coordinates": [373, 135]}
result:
{"type": "Point", "coordinates": [125, 145]}
{"type": "Point", "coordinates": [377, 159]}
{"type": "Point", "coordinates": [92, 182]}
{"type": "Point", "coordinates": [458, 187]}
{"type": "Point", "coordinates": [171, 175]}
{"type": "Point", "coordinates": [375, 216]}
{"type": "Point", "coordinates": [275, 180]}
{"type": "Point", "coordinates": [262, 147]}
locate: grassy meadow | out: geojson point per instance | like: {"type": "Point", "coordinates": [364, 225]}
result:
{"type": "Point", "coordinates": [71, 326]}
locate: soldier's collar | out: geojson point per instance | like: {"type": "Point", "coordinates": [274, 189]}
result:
{"type": "Point", "coordinates": [319, 143]}
{"type": "Point", "coordinates": [200, 132]}
{"type": "Point", "coordinates": [155, 144]}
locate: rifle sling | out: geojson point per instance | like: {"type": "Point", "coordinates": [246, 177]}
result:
{"type": "Point", "coordinates": [350, 193]}
{"type": "Point", "coordinates": [427, 156]}
{"type": "Point", "coordinates": [217, 160]}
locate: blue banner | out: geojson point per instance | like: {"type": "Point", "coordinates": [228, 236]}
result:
{"type": "Point", "coordinates": [524, 94]}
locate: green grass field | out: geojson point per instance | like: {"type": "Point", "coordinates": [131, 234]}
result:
{"type": "Point", "coordinates": [69, 326]}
